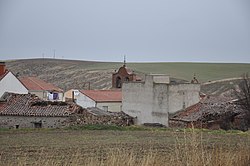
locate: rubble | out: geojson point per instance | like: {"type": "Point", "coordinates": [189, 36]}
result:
{"type": "Point", "coordinates": [96, 116]}
{"type": "Point", "coordinates": [212, 113]}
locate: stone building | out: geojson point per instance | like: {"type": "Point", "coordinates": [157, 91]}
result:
{"type": "Point", "coordinates": [28, 111]}
{"type": "Point", "coordinates": [154, 99]}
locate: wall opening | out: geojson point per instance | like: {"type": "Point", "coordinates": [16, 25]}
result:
{"type": "Point", "coordinates": [118, 82]}
{"type": "Point", "coordinates": [126, 79]}
{"type": "Point", "coordinates": [37, 124]}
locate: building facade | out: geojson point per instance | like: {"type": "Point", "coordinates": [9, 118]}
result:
{"type": "Point", "coordinates": [154, 99]}
{"type": "Point", "coordinates": [107, 100]}
{"type": "Point", "coordinates": [9, 82]}
{"type": "Point", "coordinates": [123, 75]}
{"type": "Point", "coordinates": [42, 89]}
{"type": "Point", "coordinates": [28, 111]}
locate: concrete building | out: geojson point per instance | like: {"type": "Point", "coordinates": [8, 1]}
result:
{"type": "Point", "coordinates": [28, 111]}
{"type": "Point", "coordinates": [108, 100]}
{"type": "Point", "coordinates": [42, 89]}
{"type": "Point", "coordinates": [9, 82]}
{"type": "Point", "coordinates": [154, 99]}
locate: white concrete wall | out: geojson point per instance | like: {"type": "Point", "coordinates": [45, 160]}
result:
{"type": "Point", "coordinates": [160, 78]}
{"type": "Point", "coordinates": [142, 100]}
{"type": "Point", "coordinates": [152, 102]}
{"type": "Point", "coordinates": [11, 84]}
{"type": "Point", "coordinates": [112, 106]}
{"type": "Point", "coordinates": [182, 96]}
{"type": "Point", "coordinates": [84, 101]}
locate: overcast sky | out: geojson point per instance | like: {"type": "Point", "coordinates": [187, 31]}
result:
{"type": "Point", "coordinates": [143, 30]}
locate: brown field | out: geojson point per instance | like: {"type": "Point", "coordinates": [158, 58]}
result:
{"type": "Point", "coordinates": [114, 147]}
{"type": "Point", "coordinates": [68, 74]}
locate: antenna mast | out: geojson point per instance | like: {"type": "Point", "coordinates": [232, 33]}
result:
{"type": "Point", "coordinates": [124, 60]}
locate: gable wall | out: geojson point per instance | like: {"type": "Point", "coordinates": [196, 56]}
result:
{"type": "Point", "coordinates": [84, 101]}
{"type": "Point", "coordinates": [11, 84]}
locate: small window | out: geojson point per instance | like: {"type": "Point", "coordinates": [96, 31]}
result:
{"type": "Point", "coordinates": [183, 105]}
{"type": "Point", "coordinates": [105, 108]}
{"type": "Point", "coordinates": [38, 125]}
{"type": "Point", "coordinates": [17, 126]}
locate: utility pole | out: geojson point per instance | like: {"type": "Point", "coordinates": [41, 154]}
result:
{"type": "Point", "coordinates": [54, 54]}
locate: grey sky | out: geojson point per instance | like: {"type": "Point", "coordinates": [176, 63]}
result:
{"type": "Point", "coordinates": [144, 30]}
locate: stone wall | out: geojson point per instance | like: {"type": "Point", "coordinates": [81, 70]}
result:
{"type": "Point", "coordinates": [29, 122]}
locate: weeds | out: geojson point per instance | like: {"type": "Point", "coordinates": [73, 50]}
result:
{"type": "Point", "coordinates": [189, 147]}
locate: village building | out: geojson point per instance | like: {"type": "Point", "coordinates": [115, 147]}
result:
{"type": "Point", "coordinates": [107, 100]}
{"type": "Point", "coordinates": [152, 100]}
{"type": "Point", "coordinates": [124, 74]}
{"type": "Point", "coordinates": [28, 111]}
{"type": "Point", "coordinates": [9, 82]}
{"type": "Point", "coordinates": [70, 94]}
{"type": "Point", "coordinates": [213, 113]}
{"type": "Point", "coordinates": [42, 89]}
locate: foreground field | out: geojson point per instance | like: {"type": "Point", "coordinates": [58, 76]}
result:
{"type": "Point", "coordinates": [113, 147]}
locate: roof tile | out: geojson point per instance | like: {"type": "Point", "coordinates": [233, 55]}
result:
{"type": "Point", "coordinates": [34, 83]}
{"type": "Point", "coordinates": [104, 95]}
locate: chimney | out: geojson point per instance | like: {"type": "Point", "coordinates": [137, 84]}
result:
{"type": "Point", "coordinates": [2, 68]}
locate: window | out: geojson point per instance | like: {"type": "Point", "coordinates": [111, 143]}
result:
{"type": "Point", "coordinates": [38, 124]}
{"type": "Point", "coordinates": [105, 108]}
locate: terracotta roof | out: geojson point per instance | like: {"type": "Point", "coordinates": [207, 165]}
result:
{"type": "Point", "coordinates": [104, 95]}
{"type": "Point", "coordinates": [30, 105]}
{"type": "Point", "coordinates": [34, 83]}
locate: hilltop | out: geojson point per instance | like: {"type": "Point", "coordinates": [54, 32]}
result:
{"type": "Point", "coordinates": [75, 73]}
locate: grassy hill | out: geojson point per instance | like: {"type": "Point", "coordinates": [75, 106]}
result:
{"type": "Point", "coordinates": [73, 74]}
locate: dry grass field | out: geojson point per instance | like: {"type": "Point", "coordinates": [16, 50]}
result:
{"type": "Point", "coordinates": [145, 147]}
{"type": "Point", "coordinates": [69, 74]}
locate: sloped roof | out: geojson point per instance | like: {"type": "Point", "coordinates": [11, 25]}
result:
{"type": "Point", "coordinates": [2, 76]}
{"type": "Point", "coordinates": [30, 105]}
{"type": "Point", "coordinates": [34, 83]}
{"type": "Point", "coordinates": [104, 95]}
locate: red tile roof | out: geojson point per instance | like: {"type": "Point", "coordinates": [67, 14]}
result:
{"type": "Point", "coordinates": [104, 95]}
{"type": "Point", "coordinates": [34, 83]}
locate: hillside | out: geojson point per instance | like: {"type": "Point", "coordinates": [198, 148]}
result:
{"type": "Point", "coordinates": [74, 74]}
